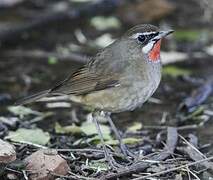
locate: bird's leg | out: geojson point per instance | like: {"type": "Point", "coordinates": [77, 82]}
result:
{"type": "Point", "coordinates": [123, 147]}
{"type": "Point", "coordinates": [108, 156]}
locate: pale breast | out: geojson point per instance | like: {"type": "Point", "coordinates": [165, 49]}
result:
{"type": "Point", "coordinates": [146, 85]}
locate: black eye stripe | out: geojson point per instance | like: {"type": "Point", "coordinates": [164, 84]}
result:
{"type": "Point", "coordinates": [150, 36]}
{"type": "Point", "coordinates": [142, 38]}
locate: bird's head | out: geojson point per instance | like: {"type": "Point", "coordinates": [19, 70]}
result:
{"type": "Point", "coordinates": [147, 38]}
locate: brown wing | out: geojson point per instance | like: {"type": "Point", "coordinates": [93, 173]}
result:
{"type": "Point", "coordinates": [84, 81]}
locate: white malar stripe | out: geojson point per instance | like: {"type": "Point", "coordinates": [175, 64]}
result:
{"type": "Point", "coordinates": [146, 49]}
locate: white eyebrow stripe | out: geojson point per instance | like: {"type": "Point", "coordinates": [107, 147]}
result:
{"type": "Point", "coordinates": [134, 36]}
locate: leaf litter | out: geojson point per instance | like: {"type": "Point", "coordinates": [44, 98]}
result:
{"type": "Point", "coordinates": [172, 150]}
{"type": "Point", "coordinates": [92, 162]}
{"type": "Point", "coordinates": [35, 136]}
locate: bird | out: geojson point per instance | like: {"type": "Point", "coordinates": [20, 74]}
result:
{"type": "Point", "coordinates": [121, 77]}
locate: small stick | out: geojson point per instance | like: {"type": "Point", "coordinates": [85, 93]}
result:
{"type": "Point", "coordinates": [193, 126]}
{"type": "Point", "coordinates": [174, 169]}
{"type": "Point", "coordinates": [172, 137]}
{"type": "Point", "coordinates": [195, 154]}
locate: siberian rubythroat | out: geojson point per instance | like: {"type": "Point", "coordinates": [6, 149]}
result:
{"type": "Point", "coordinates": [119, 78]}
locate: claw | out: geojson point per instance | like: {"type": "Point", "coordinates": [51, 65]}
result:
{"type": "Point", "coordinates": [127, 152]}
{"type": "Point", "coordinates": [109, 158]}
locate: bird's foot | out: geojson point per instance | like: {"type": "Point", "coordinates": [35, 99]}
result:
{"type": "Point", "coordinates": [113, 163]}
{"type": "Point", "coordinates": [129, 156]}
{"type": "Point", "coordinates": [110, 159]}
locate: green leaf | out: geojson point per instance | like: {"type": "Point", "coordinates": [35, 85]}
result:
{"type": "Point", "coordinates": [175, 71]}
{"type": "Point", "coordinates": [89, 140]}
{"type": "Point", "coordinates": [103, 40]}
{"type": "Point", "coordinates": [130, 141]}
{"type": "Point", "coordinates": [195, 115]}
{"type": "Point", "coordinates": [72, 129]}
{"type": "Point", "coordinates": [103, 23]}
{"type": "Point", "coordinates": [98, 165]}
{"type": "Point", "coordinates": [136, 126]}
{"type": "Point", "coordinates": [89, 129]}
{"type": "Point", "coordinates": [35, 136]}
{"type": "Point", "coordinates": [52, 60]}
{"type": "Point", "coordinates": [94, 140]}
{"type": "Point", "coordinates": [22, 111]}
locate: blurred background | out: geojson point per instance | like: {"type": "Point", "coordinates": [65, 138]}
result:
{"type": "Point", "coordinates": [43, 41]}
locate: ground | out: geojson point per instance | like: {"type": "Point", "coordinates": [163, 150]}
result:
{"type": "Point", "coordinates": [173, 129]}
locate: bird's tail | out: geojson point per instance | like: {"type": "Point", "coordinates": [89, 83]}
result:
{"type": "Point", "coordinates": [32, 98]}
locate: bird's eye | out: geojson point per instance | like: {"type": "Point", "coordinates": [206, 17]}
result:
{"type": "Point", "coordinates": [141, 38]}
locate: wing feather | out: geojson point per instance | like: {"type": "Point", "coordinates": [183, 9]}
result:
{"type": "Point", "coordinates": [84, 81]}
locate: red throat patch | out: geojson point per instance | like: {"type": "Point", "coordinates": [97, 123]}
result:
{"type": "Point", "coordinates": [154, 54]}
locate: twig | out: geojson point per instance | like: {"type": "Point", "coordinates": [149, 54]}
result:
{"type": "Point", "coordinates": [25, 175]}
{"type": "Point", "coordinates": [195, 154]}
{"type": "Point", "coordinates": [80, 150]}
{"type": "Point", "coordinates": [13, 170]}
{"type": "Point", "coordinates": [59, 176]}
{"type": "Point", "coordinates": [174, 169]}
{"type": "Point", "coordinates": [30, 143]}
{"type": "Point", "coordinates": [81, 177]}
{"type": "Point", "coordinates": [172, 138]}
{"type": "Point", "coordinates": [193, 126]}
{"type": "Point", "coordinates": [192, 173]}
{"type": "Point", "coordinates": [192, 147]}
{"type": "Point", "coordinates": [87, 150]}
